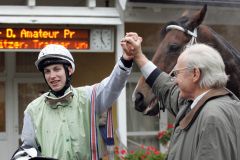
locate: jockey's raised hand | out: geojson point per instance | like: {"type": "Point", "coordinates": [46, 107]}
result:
{"type": "Point", "coordinates": [131, 45]}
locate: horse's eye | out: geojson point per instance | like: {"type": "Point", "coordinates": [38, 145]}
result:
{"type": "Point", "coordinates": [174, 47]}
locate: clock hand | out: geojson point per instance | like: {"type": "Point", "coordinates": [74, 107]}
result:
{"type": "Point", "coordinates": [102, 38]}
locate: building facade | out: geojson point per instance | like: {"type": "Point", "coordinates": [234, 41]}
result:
{"type": "Point", "coordinates": [92, 30]}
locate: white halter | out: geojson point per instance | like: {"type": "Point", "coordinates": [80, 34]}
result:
{"type": "Point", "coordinates": [193, 34]}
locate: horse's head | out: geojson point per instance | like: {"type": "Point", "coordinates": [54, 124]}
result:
{"type": "Point", "coordinates": [174, 37]}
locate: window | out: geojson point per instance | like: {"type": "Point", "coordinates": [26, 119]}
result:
{"type": "Point", "coordinates": [2, 62]}
{"type": "Point", "coordinates": [105, 3]}
{"type": "Point", "coordinates": [74, 3]}
{"type": "Point", "coordinates": [63, 3]}
{"type": "Point", "coordinates": [26, 93]}
{"type": "Point", "coordinates": [25, 62]}
{"type": "Point", "coordinates": [14, 2]}
{"type": "Point", "coordinates": [2, 95]}
{"type": "Point", "coordinates": [2, 108]}
{"type": "Point", "coordinates": [141, 129]}
{"type": "Point", "coordinates": [68, 3]}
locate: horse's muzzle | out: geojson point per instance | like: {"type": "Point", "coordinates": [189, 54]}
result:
{"type": "Point", "coordinates": [139, 102]}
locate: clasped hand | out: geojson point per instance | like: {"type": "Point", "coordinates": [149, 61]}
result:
{"type": "Point", "coordinates": [131, 44]}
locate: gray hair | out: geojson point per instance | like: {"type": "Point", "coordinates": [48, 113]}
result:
{"type": "Point", "coordinates": [210, 63]}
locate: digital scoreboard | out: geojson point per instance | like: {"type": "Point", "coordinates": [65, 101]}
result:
{"type": "Point", "coordinates": [37, 38]}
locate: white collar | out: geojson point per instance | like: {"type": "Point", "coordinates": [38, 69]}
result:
{"type": "Point", "coordinates": [196, 100]}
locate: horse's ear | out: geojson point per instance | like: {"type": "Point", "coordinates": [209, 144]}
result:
{"type": "Point", "coordinates": [185, 13]}
{"type": "Point", "coordinates": [196, 19]}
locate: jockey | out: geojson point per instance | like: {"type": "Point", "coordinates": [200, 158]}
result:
{"type": "Point", "coordinates": [63, 122]}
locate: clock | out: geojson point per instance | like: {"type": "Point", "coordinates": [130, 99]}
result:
{"type": "Point", "coordinates": [101, 39]}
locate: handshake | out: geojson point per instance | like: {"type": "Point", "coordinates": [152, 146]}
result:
{"type": "Point", "coordinates": [131, 45]}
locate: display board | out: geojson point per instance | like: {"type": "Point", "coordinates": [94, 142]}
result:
{"type": "Point", "coordinates": [99, 39]}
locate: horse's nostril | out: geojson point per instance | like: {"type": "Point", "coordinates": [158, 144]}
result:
{"type": "Point", "coordinates": [139, 96]}
{"type": "Point", "coordinates": [139, 102]}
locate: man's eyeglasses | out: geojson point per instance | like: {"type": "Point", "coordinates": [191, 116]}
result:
{"type": "Point", "coordinates": [175, 72]}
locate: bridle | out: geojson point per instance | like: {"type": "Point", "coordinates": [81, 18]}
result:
{"type": "Point", "coordinates": [192, 41]}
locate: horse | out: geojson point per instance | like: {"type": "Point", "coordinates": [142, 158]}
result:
{"type": "Point", "coordinates": [174, 37]}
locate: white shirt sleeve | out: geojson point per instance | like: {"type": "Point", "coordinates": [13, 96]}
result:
{"type": "Point", "coordinates": [147, 69]}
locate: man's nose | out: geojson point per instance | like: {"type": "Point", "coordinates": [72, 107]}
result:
{"type": "Point", "coordinates": [52, 74]}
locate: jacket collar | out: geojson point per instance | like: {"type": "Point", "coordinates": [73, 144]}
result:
{"type": "Point", "coordinates": [54, 101]}
{"type": "Point", "coordinates": [191, 116]}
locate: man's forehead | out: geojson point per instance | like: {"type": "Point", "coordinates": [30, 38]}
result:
{"type": "Point", "coordinates": [182, 59]}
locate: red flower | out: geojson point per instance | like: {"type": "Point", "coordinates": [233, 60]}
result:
{"type": "Point", "coordinates": [161, 134]}
{"type": "Point", "coordinates": [141, 153]}
{"type": "Point", "coordinates": [164, 136]}
{"type": "Point", "coordinates": [116, 152]}
{"type": "Point", "coordinates": [131, 152]}
{"type": "Point", "coordinates": [123, 151]}
{"type": "Point", "coordinates": [170, 126]}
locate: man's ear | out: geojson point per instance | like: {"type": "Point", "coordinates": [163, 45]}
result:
{"type": "Point", "coordinates": [70, 70]}
{"type": "Point", "coordinates": [196, 74]}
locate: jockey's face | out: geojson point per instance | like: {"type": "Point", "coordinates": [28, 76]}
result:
{"type": "Point", "coordinates": [55, 76]}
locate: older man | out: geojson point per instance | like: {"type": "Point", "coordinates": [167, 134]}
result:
{"type": "Point", "coordinates": [207, 114]}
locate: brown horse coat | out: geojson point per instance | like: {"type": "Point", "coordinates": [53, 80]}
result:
{"type": "Point", "coordinates": [173, 42]}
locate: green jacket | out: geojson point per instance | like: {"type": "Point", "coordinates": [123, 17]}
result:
{"type": "Point", "coordinates": [63, 129]}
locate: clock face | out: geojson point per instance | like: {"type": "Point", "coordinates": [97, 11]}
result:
{"type": "Point", "coordinates": [101, 39]}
